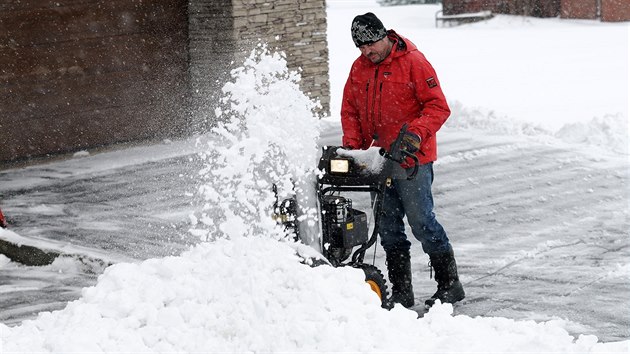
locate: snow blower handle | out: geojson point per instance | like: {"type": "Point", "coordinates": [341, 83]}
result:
{"type": "Point", "coordinates": [399, 154]}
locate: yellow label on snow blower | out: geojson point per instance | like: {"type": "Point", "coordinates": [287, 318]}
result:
{"type": "Point", "coordinates": [350, 226]}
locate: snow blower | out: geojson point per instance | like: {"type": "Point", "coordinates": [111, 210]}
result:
{"type": "Point", "coordinates": [345, 236]}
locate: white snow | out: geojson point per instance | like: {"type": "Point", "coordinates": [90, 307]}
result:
{"type": "Point", "coordinates": [370, 159]}
{"type": "Point", "coordinates": [243, 290]}
{"type": "Point", "coordinates": [252, 295]}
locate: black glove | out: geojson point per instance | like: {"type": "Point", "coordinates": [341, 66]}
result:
{"type": "Point", "coordinates": [410, 142]}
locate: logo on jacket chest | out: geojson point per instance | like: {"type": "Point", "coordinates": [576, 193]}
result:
{"type": "Point", "coordinates": [387, 73]}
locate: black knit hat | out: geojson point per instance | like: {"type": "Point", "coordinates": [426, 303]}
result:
{"type": "Point", "coordinates": [367, 29]}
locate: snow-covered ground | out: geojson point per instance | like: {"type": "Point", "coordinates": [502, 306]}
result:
{"type": "Point", "coordinates": [532, 186]}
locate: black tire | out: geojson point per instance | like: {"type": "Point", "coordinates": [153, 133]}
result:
{"type": "Point", "coordinates": [376, 280]}
{"type": "Point", "coordinates": [337, 255]}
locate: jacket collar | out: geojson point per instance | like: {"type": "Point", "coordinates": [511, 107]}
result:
{"type": "Point", "coordinates": [400, 47]}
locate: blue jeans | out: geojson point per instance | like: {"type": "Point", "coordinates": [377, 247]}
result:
{"type": "Point", "coordinates": [414, 199]}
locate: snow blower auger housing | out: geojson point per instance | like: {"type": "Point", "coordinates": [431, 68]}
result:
{"type": "Point", "coordinates": [345, 235]}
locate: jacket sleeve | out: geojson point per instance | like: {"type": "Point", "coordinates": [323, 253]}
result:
{"type": "Point", "coordinates": [350, 123]}
{"type": "Point", "coordinates": [435, 110]}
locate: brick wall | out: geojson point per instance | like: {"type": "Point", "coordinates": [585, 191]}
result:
{"type": "Point", "coordinates": [615, 10]}
{"type": "Point", "coordinates": [606, 10]}
{"type": "Point", "coordinates": [584, 9]}
{"type": "Point", "coordinates": [537, 8]}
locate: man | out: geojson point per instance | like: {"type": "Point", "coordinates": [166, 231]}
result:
{"type": "Point", "coordinates": [389, 85]}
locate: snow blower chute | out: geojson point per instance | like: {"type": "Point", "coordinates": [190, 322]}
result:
{"type": "Point", "coordinates": [345, 231]}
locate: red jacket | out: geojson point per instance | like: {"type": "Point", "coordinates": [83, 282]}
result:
{"type": "Point", "coordinates": [379, 98]}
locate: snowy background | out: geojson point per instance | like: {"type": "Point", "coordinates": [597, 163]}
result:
{"type": "Point", "coordinates": [531, 184]}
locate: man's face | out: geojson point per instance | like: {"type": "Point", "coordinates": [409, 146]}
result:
{"type": "Point", "coordinates": [377, 51]}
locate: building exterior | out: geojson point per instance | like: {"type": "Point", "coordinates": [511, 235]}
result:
{"type": "Point", "coordinates": [538, 8]}
{"type": "Point", "coordinates": [605, 10]}
{"type": "Point", "coordinates": [225, 31]}
{"type": "Point", "coordinates": [615, 10]}
{"type": "Point", "coordinates": [82, 74]}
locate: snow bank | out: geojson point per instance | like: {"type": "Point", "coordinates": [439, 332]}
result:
{"type": "Point", "coordinates": [252, 295]}
{"type": "Point", "coordinates": [609, 133]}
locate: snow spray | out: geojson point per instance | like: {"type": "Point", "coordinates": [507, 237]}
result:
{"type": "Point", "coordinates": [267, 134]}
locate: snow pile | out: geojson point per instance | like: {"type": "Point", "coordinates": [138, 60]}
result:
{"type": "Point", "coordinates": [267, 136]}
{"type": "Point", "coordinates": [204, 301]}
{"type": "Point", "coordinates": [491, 122]}
{"type": "Point", "coordinates": [610, 132]}
{"type": "Point", "coordinates": [252, 295]}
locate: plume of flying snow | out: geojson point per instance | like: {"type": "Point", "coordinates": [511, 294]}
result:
{"type": "Point", "coordinates": [266, 135]}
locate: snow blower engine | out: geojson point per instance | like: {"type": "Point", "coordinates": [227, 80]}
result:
{"type": "Point", "coordinates": [345, 231]}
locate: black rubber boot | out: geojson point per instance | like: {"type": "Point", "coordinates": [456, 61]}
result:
{"type": "Point", "coordinates": [399, 270]}
{"type": "Point", "coordinates": [449, 288]}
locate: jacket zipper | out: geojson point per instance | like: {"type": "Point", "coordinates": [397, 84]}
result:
{"type": "Point", "coordinates": [373, 114]}
{"type": "Point", "coordinates": [367, 98]}
{"type": "Point", "coordinates": [380, 101]}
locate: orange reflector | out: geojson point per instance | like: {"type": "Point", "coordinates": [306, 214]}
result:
{"type": "Point", "coordinates": [375, 288]}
